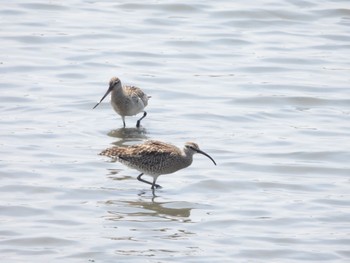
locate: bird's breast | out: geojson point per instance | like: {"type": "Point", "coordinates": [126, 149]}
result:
{"type": "Point", "coordinates": [127, 106]}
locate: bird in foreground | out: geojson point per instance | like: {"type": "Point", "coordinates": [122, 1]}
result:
{"type": "Point", "coordinates": [126, 100]}
{"type": "Point", "coordinates": [155, 158]}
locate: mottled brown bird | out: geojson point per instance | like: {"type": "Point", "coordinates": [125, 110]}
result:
{"type": "Point", "coordinates": [155, 158]}
{"type": "Point", "coordinates": [126, 100]}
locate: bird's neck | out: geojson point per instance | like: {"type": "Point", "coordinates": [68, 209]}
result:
{"type": "Point", "coordinates": [188, 154]}
{"type": "Point", "coordinates": [118, 92]}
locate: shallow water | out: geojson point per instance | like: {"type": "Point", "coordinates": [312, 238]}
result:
{"type": "Point", "coordinates": [263, 88]}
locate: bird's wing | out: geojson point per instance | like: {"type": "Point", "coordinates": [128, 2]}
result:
{"type": "Point", "coordinates": [137, 92]}
{"type": "Point", "coordinates": [153, 145]}
{"type": "Point", "coordinates": [146, 154]}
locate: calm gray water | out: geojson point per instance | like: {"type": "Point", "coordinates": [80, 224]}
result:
{"type": "Point", "coordinates": [262, 87]}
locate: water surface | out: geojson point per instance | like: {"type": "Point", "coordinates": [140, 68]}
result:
{"type": "Point", "coordinates": [263, 88]}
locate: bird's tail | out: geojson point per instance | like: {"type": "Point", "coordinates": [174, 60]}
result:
{"type": "Point", "coordinates": [111, 152]}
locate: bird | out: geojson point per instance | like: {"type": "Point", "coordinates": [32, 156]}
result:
{"type": "Point", "coordinates": [155, 158]}
{"type": "Point", "coordinates": [126, 100]}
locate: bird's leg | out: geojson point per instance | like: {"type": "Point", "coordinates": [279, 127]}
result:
{"type": "Point", "coordinates": [154, 185]}
{"type": "Point", "coordinates": [147, 182]}
{"type": "Point", "coordinates": [139, 121]}
{"type": "Point", "coordinates": [123, 118]}
{"type": "Point", "coordinates": [143, 180]}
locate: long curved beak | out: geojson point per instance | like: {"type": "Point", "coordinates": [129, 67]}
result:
{"type": "Point", "coordinates": [199, 151]}
{"type": "Point", "coordinates": [104, 96]}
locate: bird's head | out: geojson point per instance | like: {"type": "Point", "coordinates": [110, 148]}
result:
{"type": "Point", "coordinates": [113, 83]}
{"type": "Point", "coordinates": [193, 148]}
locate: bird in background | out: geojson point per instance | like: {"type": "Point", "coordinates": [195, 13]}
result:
{"type": "Point", "coordinates": [126, 100]}
{"type": "Point", "coordinates": [155, 158]}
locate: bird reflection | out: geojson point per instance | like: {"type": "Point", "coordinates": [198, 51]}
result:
{"type": "Point", "coordinates": [142, 209]}
{"type": "Point", "coordinates": [127, 136]}
{"type": "Point", "coordinates": [126, 133]}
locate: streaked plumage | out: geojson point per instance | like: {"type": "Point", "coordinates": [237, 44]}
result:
{"type": "Point", "coordinates": [155, 158]}
{"type": "Point", "coordinates": [126, 100]}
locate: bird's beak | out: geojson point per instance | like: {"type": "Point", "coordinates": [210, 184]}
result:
{"type": "Point", "coordinates": [199, 151]}
{"type": "Point", "coordinates": [104, 96]}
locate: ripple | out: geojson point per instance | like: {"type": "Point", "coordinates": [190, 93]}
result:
{"type": "Point", "coordinates": [287, 253]}
{"type": "Point", "coordinates": [173, 8]}
{"type": "Point", "coordinates": [289, 100]}
{"type": "Point", "coordinates": [21, 211]}
{"type": "Point", "coordinates": [40, 6]}
{"type": "Point", "coordinates": [43, 241]}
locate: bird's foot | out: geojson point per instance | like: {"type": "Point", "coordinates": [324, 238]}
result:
{"type": "Point", "coordinates": [157, 186]}
{"type": "Point", "coordinates": [139, 121]}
